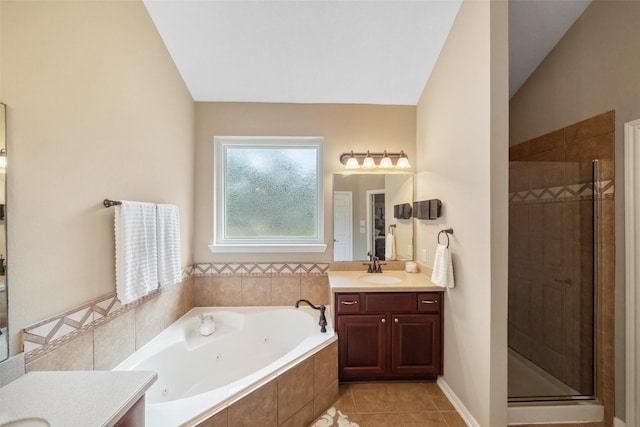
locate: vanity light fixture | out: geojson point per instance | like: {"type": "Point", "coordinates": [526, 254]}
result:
{"type": "Point", "coordinates": [384, 160]}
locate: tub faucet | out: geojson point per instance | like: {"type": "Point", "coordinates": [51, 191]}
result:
{"type": "Point", "coordinates": [322, 308]}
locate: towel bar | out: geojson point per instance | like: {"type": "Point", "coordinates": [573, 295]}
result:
{"type": "Point", "coordinates": [108, 203]}
{"type": "Point", "coordinates": [446, 233]}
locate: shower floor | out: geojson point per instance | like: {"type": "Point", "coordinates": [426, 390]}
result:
{"type": "Point", "coordinates": [526, 379]}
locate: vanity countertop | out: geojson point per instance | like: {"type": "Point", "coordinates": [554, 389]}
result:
{"type": "Point", "coordinates": [355, 281]}
{"type": "Point", "coordinates": [74, 398]}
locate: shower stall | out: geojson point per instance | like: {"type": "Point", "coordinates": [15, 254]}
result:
{"type": "Point", "coordinates": [560, 185]}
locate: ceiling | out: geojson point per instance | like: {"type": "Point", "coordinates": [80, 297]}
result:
{"type": "Point", "coordinates": [340, 51]}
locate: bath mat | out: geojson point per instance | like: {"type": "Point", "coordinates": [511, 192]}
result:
{"type": "Point", "coordinates": [332, 418]}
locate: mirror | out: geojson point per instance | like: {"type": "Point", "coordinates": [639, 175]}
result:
{"type": "Point", "coordinates": [363, 216]}
{"type": "Point", "coordinates": [4, 336]}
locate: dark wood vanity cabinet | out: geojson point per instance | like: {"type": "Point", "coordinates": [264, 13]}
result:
{"type": "Point", "coordinates": [389, 335]}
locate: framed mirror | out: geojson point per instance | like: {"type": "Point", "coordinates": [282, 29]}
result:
{"type": "Point", "coordinates": [4, 336]}
{"type": "Point", "coordinates": [364, 216]}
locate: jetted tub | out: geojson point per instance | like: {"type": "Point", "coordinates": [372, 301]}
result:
{"type": "Point", "coordinates": [201, 375]}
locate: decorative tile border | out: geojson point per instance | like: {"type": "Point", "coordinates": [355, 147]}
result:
{"type": "Point", "coordinates": [235, 269]}
{"type": "Point", "coordinates": [52, 333]}
{"type": "Point", "coordinates": [562, 193]}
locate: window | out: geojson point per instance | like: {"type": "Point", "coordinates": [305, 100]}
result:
{"type": "Point", "coordinates": [268, 194]}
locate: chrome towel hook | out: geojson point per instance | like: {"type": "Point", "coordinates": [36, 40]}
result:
{"type": "Point", "coordinates": [446, 233]}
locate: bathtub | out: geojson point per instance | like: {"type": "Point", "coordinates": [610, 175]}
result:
{"type": "Point", "coordinates": [201, 375]}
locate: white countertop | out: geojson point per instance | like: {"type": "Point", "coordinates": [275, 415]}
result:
{"type": "Point", "coordinates": [351, 281]}
{"type": "Point", "coordinates": [74, 398]}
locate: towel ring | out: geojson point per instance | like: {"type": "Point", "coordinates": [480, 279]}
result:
{"type": "Point", "coordinates": [446, 233]}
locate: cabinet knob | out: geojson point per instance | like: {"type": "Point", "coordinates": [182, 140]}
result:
{"type": "Point", "coordinates": [429, 301]}
{"type": "Point", "coordinates": [348, 302]}
{"type": "Point", "coordinates": [396, 320]}
{"type": "Point", "coordinates": [383, 320]}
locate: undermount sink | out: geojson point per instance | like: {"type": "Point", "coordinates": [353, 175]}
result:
{"type": "Point", "coordinates": [26, 422]}
{"type": "Point", "coordinates": [381, 279]}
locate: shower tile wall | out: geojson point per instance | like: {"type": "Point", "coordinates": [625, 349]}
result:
{"type": "Point", "coordinates": [550, 251]}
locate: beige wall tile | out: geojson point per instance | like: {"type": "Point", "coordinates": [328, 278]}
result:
{"type": "Point", "coordinates": [188, 293]}
{"type": "Point", "coordinates": [285, 290]}
{"type": "Point", "coordinates": [256, 291]}
{"type": "Point", "coordinates": [218, 420]}
{"type": "Point", "coordinates": [589, 128]}
{"type": "Point", "coordinates": [149, 320]}
{"type": "Point", "coordinates": [226, 291]}
{"type": "Point", "coordinates": [257, 409]}
{"type": "Point", "coordinates": [202, 291]}
{"type": "Point", "coordinates": [75, 355]}
{"type": "Point", "coordinates": [519, 152]}
{"type": "Point", "coordinates": [114, 341]}
{"type": "Point", "coordinates": [323, 400]}
{"type": "Point", "coordinates": [295, 389]}
{"type": "Point", "coordinates": [172, 303]}
{"type": "Point", "coordinates": [548, 142]}
{"type": "Point", "coordinates": [303, 418]}
{"type": "Point", "coordinates": [315, 289]}
{"type": "Point", "coordinates": [325, 367]}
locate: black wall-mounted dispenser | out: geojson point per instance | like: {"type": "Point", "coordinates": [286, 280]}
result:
{"type": "Point", "coordinates": [427, 209]}
{"type": "Point", "coordinates": [402, 211]}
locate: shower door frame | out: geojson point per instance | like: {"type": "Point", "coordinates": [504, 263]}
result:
{"type": "Point", "coordinates": [632, 275]}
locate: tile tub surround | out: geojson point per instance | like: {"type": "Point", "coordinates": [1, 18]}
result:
{"type": "Point", "coordinates": [293, 399]}
{"type": "Point", "coordinates": [231, 285]}
{"type": "Point", "coordinates": [550, 191]}
{"type": "Point", "coordinates": [101, 333]}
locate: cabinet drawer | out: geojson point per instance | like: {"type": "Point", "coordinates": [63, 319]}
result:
{"type": "Point", "coordinates": [348, 303]}
{"type": "Point", "coordinates": [430, 302]}
{"type": "Point", "coordinates": [388, 301]}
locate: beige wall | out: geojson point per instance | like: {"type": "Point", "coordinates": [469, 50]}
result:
{"type": "Point", "coordinates": [593, 69]}
{"type": "Point", "coordinates": [96, 108]}
{"type": "Point", "coordinates": [462, 152]}
{"type": "Point", "coordinates": [344, 127]}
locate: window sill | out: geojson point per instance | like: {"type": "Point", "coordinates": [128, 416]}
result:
{"type": "Point", "coordinates": [267, 248]}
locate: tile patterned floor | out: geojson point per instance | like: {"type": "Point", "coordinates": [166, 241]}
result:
{"type": "Point", "coordinates": [381, 404]}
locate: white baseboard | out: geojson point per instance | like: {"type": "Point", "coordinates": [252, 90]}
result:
{"type": "Point", "coordinates": [617, 422]}
{"type": "Point", "coordinates": [457, 403]}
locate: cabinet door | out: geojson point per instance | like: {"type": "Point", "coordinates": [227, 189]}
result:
{"type": "Point", "coordinates": [363, 345]}
{"type": "Point", "coordinates": [415, 344]}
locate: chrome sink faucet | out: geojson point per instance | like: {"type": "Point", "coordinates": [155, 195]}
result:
{"type": "Point", "coordinates": [373, 266]}
{"type": "Point", "coordinates": [321, 308]}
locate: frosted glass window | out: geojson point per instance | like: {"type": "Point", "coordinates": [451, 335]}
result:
{"type": "Point", "coordinates": [268, 191]}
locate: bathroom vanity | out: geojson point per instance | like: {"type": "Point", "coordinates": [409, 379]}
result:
{"type": "Point", "coordinates": [389, 325]}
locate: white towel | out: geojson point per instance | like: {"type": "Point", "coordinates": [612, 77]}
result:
{"type": "Point", "coordinates": [136, 250]}
{"type": "Point", "coordinates": [169, 268]}
{"type": "Point", "coordinates": [390, 247]}
{"type": "Point", "coordinates": [442, 268]}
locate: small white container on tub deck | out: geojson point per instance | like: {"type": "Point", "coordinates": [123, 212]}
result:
{"type": "Point", "coordinates": [207, 324]}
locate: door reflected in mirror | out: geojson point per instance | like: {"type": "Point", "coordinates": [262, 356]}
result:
{"type": "Point", "coordinates": [363, 217]}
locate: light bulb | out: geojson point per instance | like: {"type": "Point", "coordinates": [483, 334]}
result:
{"type": "Point", "coordinates": [385, 162]}
{"type": "Point", "coordinates": [403, 161]}
{"type": "Point", "coordinates": [368, 162]}
{"type": "Point", "coordinates": [352, 162]}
